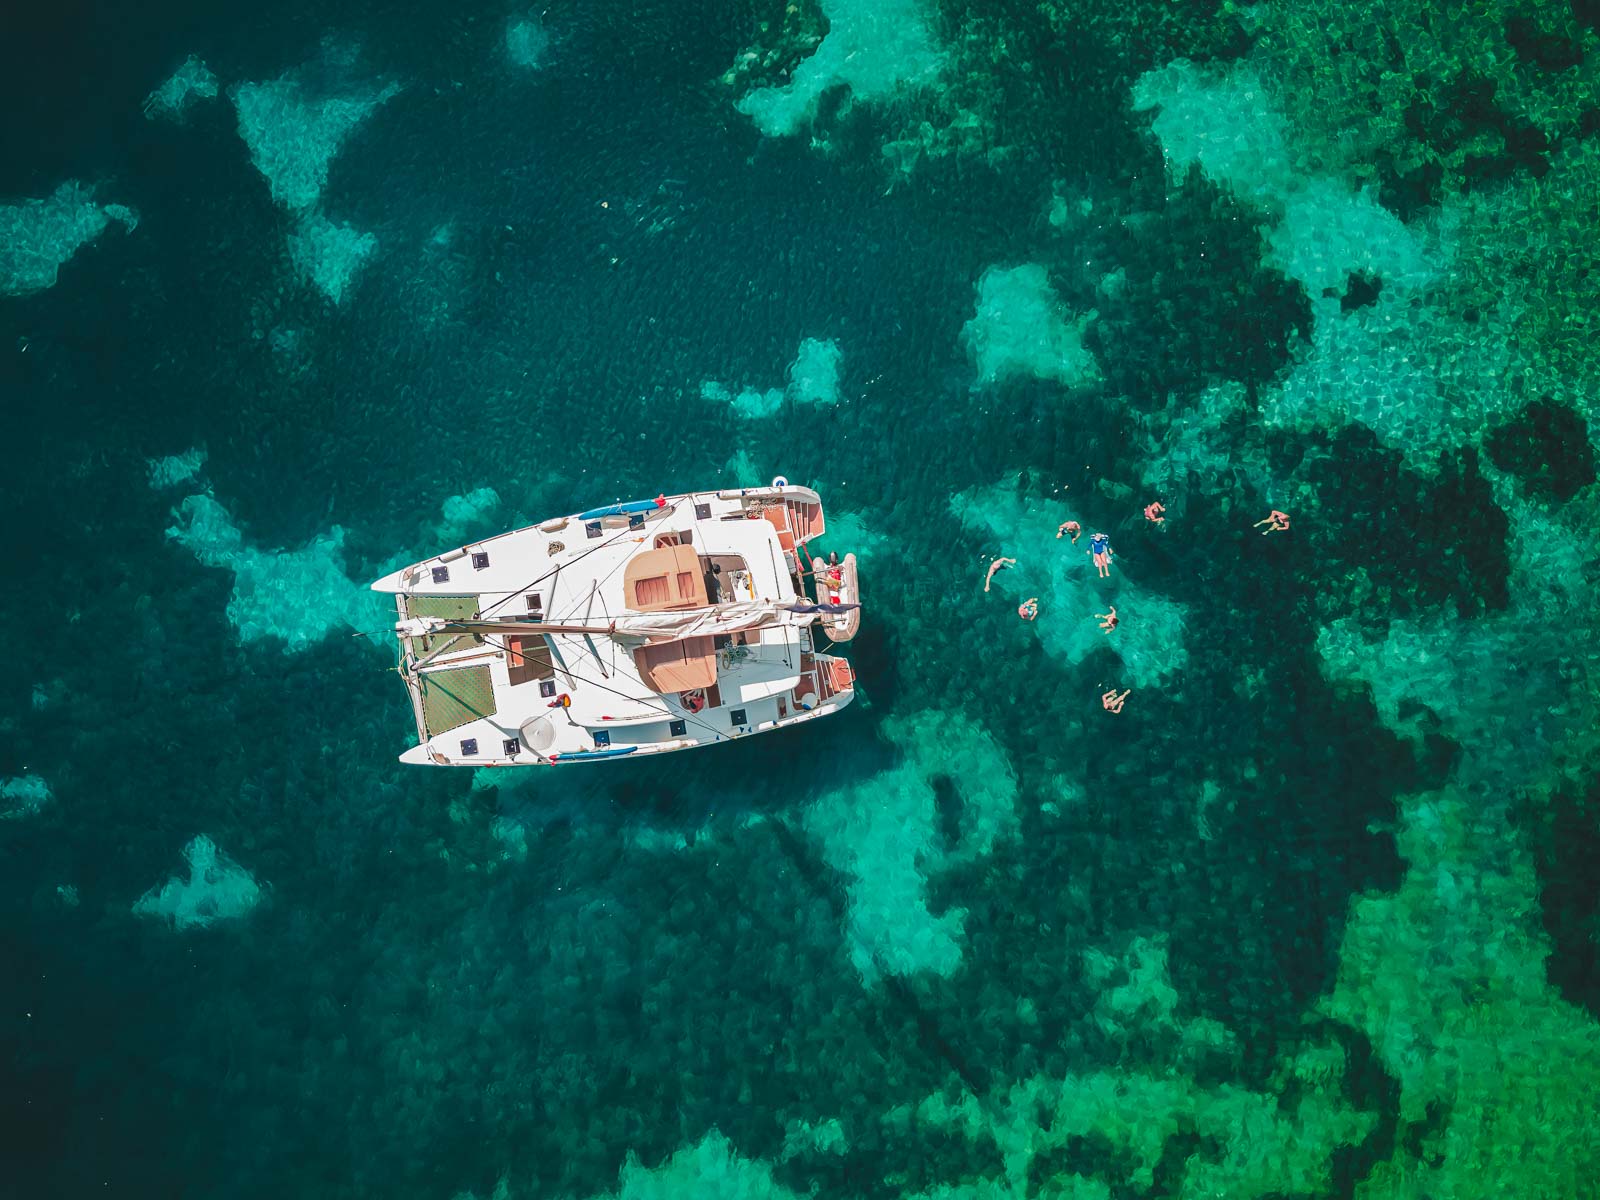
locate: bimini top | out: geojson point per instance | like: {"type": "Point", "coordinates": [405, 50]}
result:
{"type": "Point", "coordinates": [678, 666]}
{"type": "Point", "coordinates": [668, 577]}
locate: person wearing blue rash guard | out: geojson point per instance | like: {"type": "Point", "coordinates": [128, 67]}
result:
{"type": "Point", "coordinates": [1100, 551]}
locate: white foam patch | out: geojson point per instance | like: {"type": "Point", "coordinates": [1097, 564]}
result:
{"type": "Point", "coordinates": [708, 1170]}
{"type": "Point", "coordinates": [1324, 230]}
{"type": "Point", "coordinates": [1021, 328]}
{"type": "Point", "coordinates": [848, 533]}
{"type": "Point", "coordinates": [527, 40]}
{"type": "Point", "coordinates": [1422, 380]}
{"type": "Point", "coordinates": [467, 513]}
{"type": "Point", "coordinates": [328, 254]}
{"type": "Point", "coordinates": [293, 136]}
{"type": "Point", "coordinates": [813, 379]}
{"type": "Point", "coordinates": [217, 889]}
{"type": "Point", "coordinates": [742, 470]}
{"type": "Point", "coordinates": [1224, 123]}
{"type": "Point", "coordinates": [753, 405]}
{"type": "Point", "coordinates": [23, 797]}
{"type": "Point", "coordinates": [38, 236]}
{"type": "Point", "coordinates": [814, 374]}
{"type": "Point", "coordinates": [883, 833]}
{"type": "Point", "coordinates": [190, 83]}
{"type": "Point", "coordinates": [1150, 636]}
{"type": "Point", "coordinates": [1329, 232]}
{"type": "Point", "coordinates": [875, 48]}
{"type": "Point", "coordinates": [176, 469]}
{"type": "Point", "coordinates": [297, 597]}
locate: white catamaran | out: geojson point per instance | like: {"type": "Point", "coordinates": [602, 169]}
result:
{"type": "Point", "coordinates": [632, 629]}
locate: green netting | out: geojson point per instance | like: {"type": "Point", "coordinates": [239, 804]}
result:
{"type": "Point", "coordinates": [451, 699]}
{"type": "Point", "coordinates": [451, 608]}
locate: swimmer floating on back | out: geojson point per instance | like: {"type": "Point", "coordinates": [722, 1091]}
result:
{"type": "Point", "coordinates": [1153, 511]}
{"type": "Point", "coordinates": [1071, 527]}
{"type": "Point", "coordinates": [1029, 608]}
{"type": "Point", "coordinates": [1100, 551]}
{"type": "Point", "coordinates": [995, 566]}
{"type": "Point", "coordinates": [1108, 620]}
{"type": "Point", "coordinates": [1275, 522]}
{"type": "Point", "coordinates": [1112, 702]}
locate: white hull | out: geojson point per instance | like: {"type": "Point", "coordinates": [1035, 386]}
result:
{"type": "Point", "coordinates": [600, 635]}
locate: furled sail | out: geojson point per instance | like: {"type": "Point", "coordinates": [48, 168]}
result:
{"type": "Point", "coordinates": [666, 626]}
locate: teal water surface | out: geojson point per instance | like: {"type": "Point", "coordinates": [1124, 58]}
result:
{"type": "Point", "coordinates": [294, 295]}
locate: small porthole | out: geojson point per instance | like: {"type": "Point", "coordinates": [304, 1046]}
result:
{"type": "Point", "coordinates": [678, 728]}
{"type": "Point", "coordinates": [736, 717]}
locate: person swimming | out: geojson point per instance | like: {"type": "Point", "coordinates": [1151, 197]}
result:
{"type": "Point", "coordinates": [1112, 702]}
{"type": "Point", "coordinates": [996, 565]}
{"type": "Point", "coordinates": [1071, 527]}
{"type": "Point", "coordinates": [1100, 550]}
{"type": "Point", "coordinates": [1109, 620]}
{"type": "Point", "coordinates": [1275, 522]}
{"type": "Point", "coordinates": [1153, 511]}
{"type": "Point", "coordinates": [1029, 608]}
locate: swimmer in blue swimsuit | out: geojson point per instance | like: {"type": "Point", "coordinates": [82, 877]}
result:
{"type": "Point", "coordinates": [1100, 551]}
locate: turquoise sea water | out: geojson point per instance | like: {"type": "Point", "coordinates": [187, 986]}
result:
{"type": "Point", "coordinates": [294, 295]}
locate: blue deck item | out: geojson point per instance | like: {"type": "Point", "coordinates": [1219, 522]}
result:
{"type": "Point", "coordinates": [619, 510]}
{"type": "Point", "coordinates": [568, 756]}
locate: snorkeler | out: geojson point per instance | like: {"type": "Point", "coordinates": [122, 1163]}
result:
{"type": "Point", "coordinates": [995, 566]}
{"type": "Point", "coordinates": [1153, 511]}
{"type": "Point", "coordinates": [1112, 702]}
{"type": "Point", "coordinates": [1100, 551]}
{"type": "Point", "coordinates": [1029, 608]}
{"type": "Point", "coordinates": [1071, 527]}
{"type": "Point", "coordinates": [1275, 522]}
{"type": "Point", "coordinates": [1108, 620]}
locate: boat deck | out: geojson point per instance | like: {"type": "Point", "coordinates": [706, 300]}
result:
{"type": "Point", "coordinates": [520, 699]}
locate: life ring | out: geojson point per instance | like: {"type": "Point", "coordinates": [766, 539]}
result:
{"type": "Point", "coordinates": [780, 481]}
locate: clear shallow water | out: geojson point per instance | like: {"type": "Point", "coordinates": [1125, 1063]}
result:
{"type": "Point", "coordinates": [1315, 914]}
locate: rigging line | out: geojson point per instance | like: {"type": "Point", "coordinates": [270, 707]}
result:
{"type": "Point", "coordinates": [588, 639]}
{"type": "Point", "coordinates": [626, 529]}
{"type": "Point", "coordinates": [664, 711]}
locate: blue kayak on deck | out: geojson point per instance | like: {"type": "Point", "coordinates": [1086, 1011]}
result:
{"type": "Point", "coordinates": [619, 510]}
